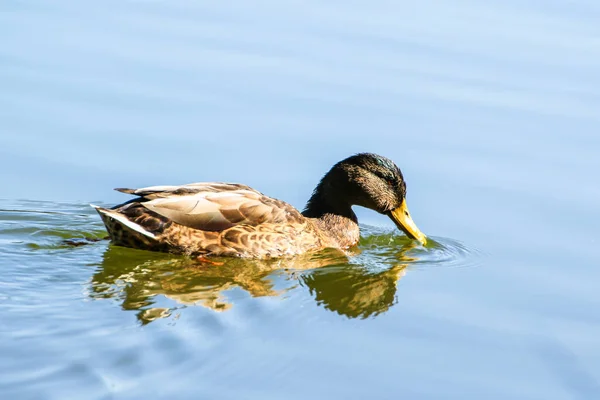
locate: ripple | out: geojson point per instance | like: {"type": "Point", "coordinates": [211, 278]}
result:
{"type": "Point", "coordinates": [448, 253]}
{"type": "Point", "coordinates": [381, 248]}
{"type": "Point", "coordinates": [41, 225]}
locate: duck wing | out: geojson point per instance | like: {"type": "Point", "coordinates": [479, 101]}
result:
{"type": "Point", "coordinates": [213, 206]}
{"type": "Point", "coordinates": [155, 192]}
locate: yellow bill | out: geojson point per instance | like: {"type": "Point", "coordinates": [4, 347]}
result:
{"type": "Point", "coordinates": [403, 221]}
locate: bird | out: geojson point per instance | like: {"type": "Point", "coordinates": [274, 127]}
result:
{"type": "Point", "coordinates": [230, 219]}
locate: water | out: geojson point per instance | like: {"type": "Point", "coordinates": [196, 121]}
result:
{"type": "Point", "coordinates": [489, 109]}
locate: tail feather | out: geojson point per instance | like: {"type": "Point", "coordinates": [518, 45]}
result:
{"type": "Point", "coordinates": [125, 190]}
{"type": "Point", "coordinates": [113, 216]}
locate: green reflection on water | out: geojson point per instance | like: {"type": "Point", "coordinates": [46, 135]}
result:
{"type": "Point", "coordinates": [345, 283]}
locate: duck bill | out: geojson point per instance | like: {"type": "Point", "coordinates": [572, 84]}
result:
{"type": "Point", "coordinates": [404, 222]}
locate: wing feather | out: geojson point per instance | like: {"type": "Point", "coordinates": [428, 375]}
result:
{"type": "Point", "coordinates": [212, 206]}
{"type": "Point", "coordinates": [163, 191]}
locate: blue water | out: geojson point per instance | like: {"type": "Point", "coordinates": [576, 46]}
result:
{"type": "Point", "coordinates": [490, 109]}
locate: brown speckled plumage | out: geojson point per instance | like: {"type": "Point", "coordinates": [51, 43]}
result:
{"type": "Point", "coordinates": [235, 220]}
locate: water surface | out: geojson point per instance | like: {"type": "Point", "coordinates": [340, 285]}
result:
{"type": "Point", "coordinates": [489, 109]}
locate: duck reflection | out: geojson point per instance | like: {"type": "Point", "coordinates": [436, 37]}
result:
{"type": "Point", "coordinates": [337, 280]}
{"type": "Point", "coordinates": [354, 292]}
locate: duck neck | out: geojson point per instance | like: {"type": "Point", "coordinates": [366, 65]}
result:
{"type": "Point", "coordinates": [332, 216]}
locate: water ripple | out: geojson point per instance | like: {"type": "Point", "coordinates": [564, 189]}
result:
{"type": "Point", "coordinates": [382, 248]}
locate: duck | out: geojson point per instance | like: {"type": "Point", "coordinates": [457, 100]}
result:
{"type": "Point", "coordinates": [234, 220]}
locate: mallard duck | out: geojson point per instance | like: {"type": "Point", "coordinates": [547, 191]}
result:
{"type": "Point", "coordinates": [229, 219]}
